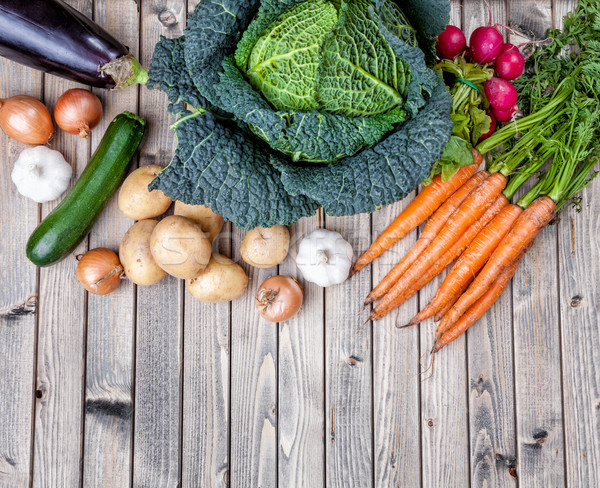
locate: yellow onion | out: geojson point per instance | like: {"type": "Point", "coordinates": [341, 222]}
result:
{"type": "Point", "coordinates": [99, 271]}
{"type": "Point", "coordinates": [78, 111]}
{"type": "Point", "coordinates": [26, 119]}
{"type": "Point", "coordinates": [279, 298]}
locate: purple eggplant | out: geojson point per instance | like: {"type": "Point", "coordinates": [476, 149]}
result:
{"type": "Point", "coordinates": [51, 36]}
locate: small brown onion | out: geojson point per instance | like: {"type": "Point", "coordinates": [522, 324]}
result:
{"type": "Point", "coordinates": [26, 119]}
{"type": "Point", "coordinates": [279, 298]}
{"type": "Point", "coordinates": [99, 271]}
{"type": "Point", "coordinates": [78, 111]}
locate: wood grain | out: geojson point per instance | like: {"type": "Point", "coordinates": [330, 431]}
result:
{"type": "Point", "coordinates": [349, 364]}
{"type": "Point", "coordinates": [62, 333]}
{"type": "Point", "coordinates": [159, 326]}
{"type": "Point", "coordinates": [18, 297]}
{"type": "Point", "coordinates": [490, 357]}
{"type": "Point", "coordinates": [396, 401]}
{"type": "Point", "coordinates": [579, 267]}
{"type": "Point", "coordinates": [109, 377]}
{"type": "Point", "coordinates": [301, 379]}
{"type": "Point", "coordinates": [444, 407]}
{"type": "Point", "coordinates": [254, 409]}
{"type": "Point", "coordinates": [205, 443]}
{"type": "Point", "coordinates": [537, 330]}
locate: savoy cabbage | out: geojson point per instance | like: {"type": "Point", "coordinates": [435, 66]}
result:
{"type": "Point", "coordinates": [299, 104]}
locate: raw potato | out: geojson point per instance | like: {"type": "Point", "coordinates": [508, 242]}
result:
{"type": "Point", "coordinates": [135, 201]}
{"type": "Point", "coordinates": [222, 281]}
{"type": "Point", "coordinates": [265, 248]}
{"type": "Point", "coordinates": [180, 247]}
{"type": "Point", "coordinates": [209, 221]}
{"type": "Point", "coordinates": [135, 255]}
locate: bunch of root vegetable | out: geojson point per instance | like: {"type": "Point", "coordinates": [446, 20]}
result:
{"type": "Point", "coordinates": [473, 220]}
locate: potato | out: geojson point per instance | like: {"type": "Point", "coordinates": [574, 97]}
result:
{"type": "Point", "coordinates": [180, 247]}
{"type": "Point", "coordinates": [265, 248]}
{"type": "Point", "coordinates": [135, 255]}
{"type": "Point", "coordinates": [209, 221]}
{"type": "Point", "coordinates": [222, 281]}
{"type": "Point", "coordinates": [135, 201]}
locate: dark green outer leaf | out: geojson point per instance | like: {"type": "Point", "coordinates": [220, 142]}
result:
{"type": "Point", "coordinates": [168, 72]}
{"type": "Point", "coordinates": [382, 174]}
{"type": "Point", "coordinates": [229, 172]}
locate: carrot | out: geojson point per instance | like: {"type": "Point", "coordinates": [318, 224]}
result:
{"type": "Point", "coordinates": [526, 227]}
{"type": "Point", "coordinates": [440, 315]}
{"type": "Point", "coordinates": [424, 204]}
{"type": "Point", "coordinates": [468, 213]}
{"type": "Point", "coordinates": [481, 306]}
{"type": "Point", "coordinates": [451, 254]}
{"type": "Point", "coordinates": [470, 262]}
{"type": "Point", "coordinates": [433, 227]}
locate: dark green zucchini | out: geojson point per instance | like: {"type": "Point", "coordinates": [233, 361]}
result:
{"type": "Point", "coordinates": [67, 225]}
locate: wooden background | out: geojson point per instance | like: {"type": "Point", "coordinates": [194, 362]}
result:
{"type": "Point", "coordinates": [149, 388]}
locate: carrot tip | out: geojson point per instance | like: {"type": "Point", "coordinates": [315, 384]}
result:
{"type": "Point", "coordinates": [405, 325]}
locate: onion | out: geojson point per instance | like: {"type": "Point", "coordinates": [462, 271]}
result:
{"type": "Point", "coordinates": [26, 119]}
{"type": "Point", "coordinates": [78, 111]}
{"type": "Point", "coordinates": [99, 271]}
{"type": "Point", "coordinates": [279, 298]}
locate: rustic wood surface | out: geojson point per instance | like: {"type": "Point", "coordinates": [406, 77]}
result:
{"type": "Point", "coordinates": [149, 388]}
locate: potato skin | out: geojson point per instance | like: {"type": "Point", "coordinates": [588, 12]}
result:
{"type": "Point", "coordinates": [135, 255]}
{"type": "Point", "coordinates": [209, 221]}
{"type": "Point", "coordinates": [179, 246]}
{"type": "Point", "coordinates": [222, 281]}
{"type": "Point", "coordinates": [265, 248]}
{"type": "Point", "coordinates": [135, 201]}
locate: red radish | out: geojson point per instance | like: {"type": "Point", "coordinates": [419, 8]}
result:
{"type": "Point", "coordinates": [501, 94]}
{"type": "Point", "coordinates": [510, 64]}
{"type": "Point", "coordinates": [508, 46]}
{"type": "Point", "coordinates": [467, 55]}
{"type": "Point", "coordinates": [505, 115]}
{"type": "Point", "coordinates": [492, 127]}
{"type": "Point", "coordinates": [486, 44]}
{"type": "Point", "coordinates": [451, 43]}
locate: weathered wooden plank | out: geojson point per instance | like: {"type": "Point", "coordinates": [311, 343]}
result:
{"type": "Point", "coordinates": [444, 407]}
{"type": "Point", "coordinates": [301, 386]}
{"type": "Point", "coordinates": [62, 330]}
{"type": "Point", "coordinates": [348, 363]}
{"type": "Point", "coordinates": [159, 326]}
{"type": "Point", "coordinates": [490, 358]}
{"type": "Point", "coordinates": [396, 402]}
{"type": "Point", "coordinates": [253, 429]}
{"type": "Point", "coordinates": [205, 443]}
{"type": "Point", "coordinates": [18, 297]}
{"type": "Point", "coordinates": [109, 376]}
{"type": "Point", "coordinates": [537, 328]}
{"type": "Point", "coordinates": [579, 267]}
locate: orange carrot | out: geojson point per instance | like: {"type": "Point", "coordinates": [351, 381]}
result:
{"type": "Point", "coordinates": [470, 262]}
{"type": "Point", "coordinates": [535, 217]}
{"type": "Point", "coordinates": [451, 254]}
{"type": "Point", "coordinates": [432, 228]}
{"type": "Point", "coordinates": [440, 315]}
{"type": "Point", "coordinates": [468, 213]}
{"type": "Point", "coordinates": [481, 306]}
{"type": "Point", "coordinates": [424, 204]}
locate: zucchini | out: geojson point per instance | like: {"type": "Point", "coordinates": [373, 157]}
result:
{"type": "Point", "coordinates": [67, 225]}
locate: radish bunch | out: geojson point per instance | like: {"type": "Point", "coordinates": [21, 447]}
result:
{"type": "Point", "coordinates": [486, 47]}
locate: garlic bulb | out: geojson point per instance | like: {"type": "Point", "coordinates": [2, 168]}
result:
{"type": "Point", "coordinates": [325, 258]}
{"type": "Point", "coordinates": [42, 174]}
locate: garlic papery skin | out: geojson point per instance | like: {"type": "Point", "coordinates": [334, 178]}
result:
{"type": "Point", "coordinates": [325, 258]}
{"type": "Point", "coordinates": [41, 174]}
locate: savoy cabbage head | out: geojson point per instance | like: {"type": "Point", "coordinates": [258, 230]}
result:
{"type": "Point", "coordinates": [294, 105]}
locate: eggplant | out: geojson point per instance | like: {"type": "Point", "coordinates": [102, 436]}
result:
{"type": "Point", "coordinates": [52, 36]}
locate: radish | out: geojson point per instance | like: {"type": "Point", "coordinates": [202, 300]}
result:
{"type": "Point", "coordinates": [486, 44]}
{"type": "Point", "coordinates": [501, 94]}
{"type": "Point", "coordinates": [505, 115]}
{"type": "Point", "coordinates": [510, 64]}
{"type": "Point", "coordinates": [508, 46]}
{"type": "Point", "coordinates": [492, 127]}
{"type": "Point", "coordinates": [450, 43]}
